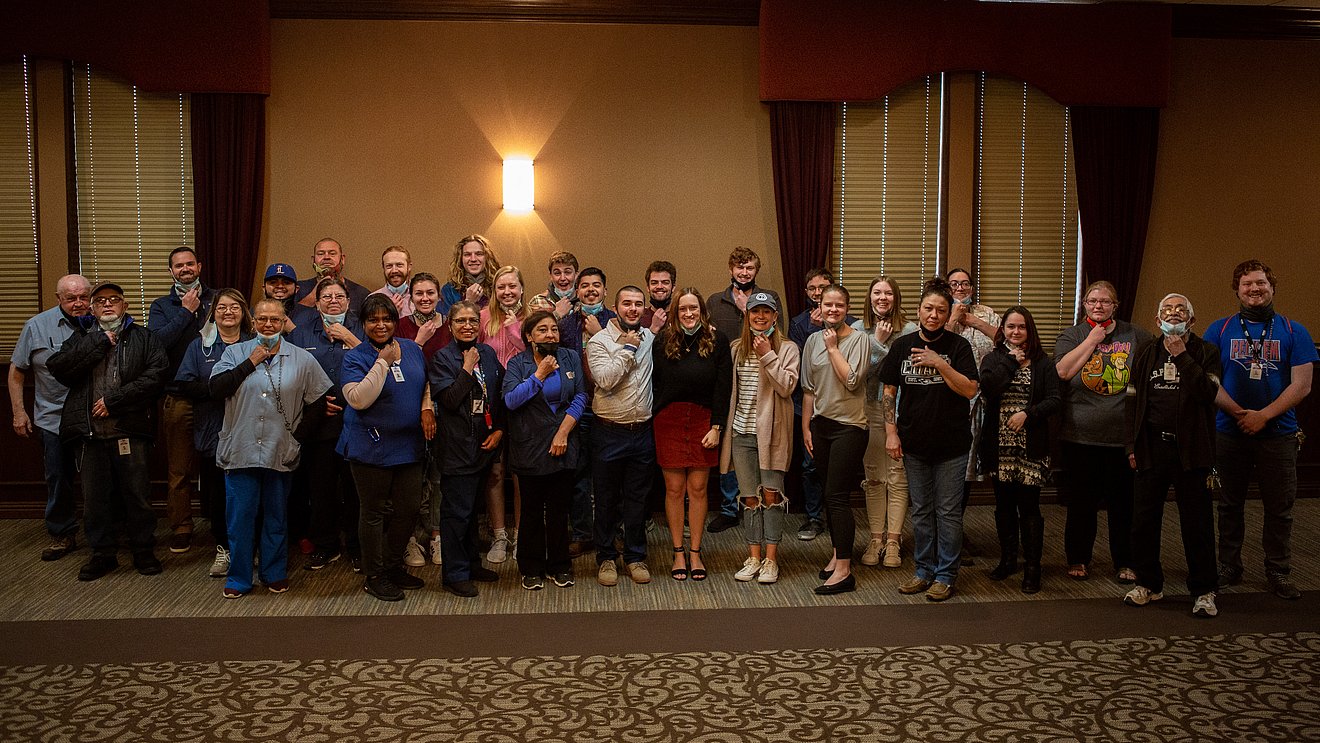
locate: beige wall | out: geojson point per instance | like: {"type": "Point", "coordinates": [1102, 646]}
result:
{"type": "Point", "coordinates": [649, 143]}
{"type": "Point", "coordinates": [1238, 176]}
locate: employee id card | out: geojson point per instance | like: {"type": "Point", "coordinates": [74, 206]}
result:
{"type": "Point", "coordinates": [397, 371]}
{"type": "Point", "coordinates": [478, 406]}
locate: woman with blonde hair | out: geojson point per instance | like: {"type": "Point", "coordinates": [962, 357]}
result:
{"type": "Point", "coordinates": [692, 375]}
{"type": "Point", "coordinates": [501, 325]}
{"type": "Point", "coordinates": [471, 274]}
{"type": "Point", "coordinates": [760, 440]}
{"type": "Point", "coordinates": [886, 482]}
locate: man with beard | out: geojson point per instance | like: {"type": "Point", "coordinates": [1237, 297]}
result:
{"type": "Point", "coordinates": [176, 319]}
{"type": "Point", "coordinates": [726, 309]}
{"type": "Point", "coordinates": [622, 446]}
{"type": "Point", "coordinates": [281, 283]}
{"type": "Point", "coordinates": [328, 260]}
{"type": "Point", "coordinates": [660, 279]}
{"type": "Point", "coordinates": [42, 336]}
{"type": "Point", "coordinates": [1267, 362]}
{"type": "Point", "coordinates": [396, 263]}
{"type": "Point", "coordinates": [114, 369]}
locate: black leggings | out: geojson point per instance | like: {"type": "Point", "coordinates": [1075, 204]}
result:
{"type": "Point", "coordinates": [838, 449]}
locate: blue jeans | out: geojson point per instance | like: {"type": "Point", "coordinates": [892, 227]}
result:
{"type": "Point", "coordinates": [580, 512]}
{"type": "Point", "coordinates": [936, 489]}
{"type": "Point", "coordinates": [729, 494]}
{"type": "Point", "coordinates": [117, 492]}
{"type": "Point", "coordinates": [60, 501]}
{"type": "Point", "coordinates": [621, 466]}
{"type": "Point", "coordinates": [1273, 462]}
{"type": "Point", "coordinates": [250, 491]}
{"type": "Point", "coordinates": [458, 524]}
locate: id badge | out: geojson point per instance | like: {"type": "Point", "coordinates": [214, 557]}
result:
{"type": "Point", "coordinates": [124, 448]}
{"type": "Point", "coordinates": [1256, 371]}
{"type": "Point", "coordinates": [478, 406]}
{"type": "Point", "coordinates": [1170, 372]}
{"type": "Point", "coordinates": [397, 371]}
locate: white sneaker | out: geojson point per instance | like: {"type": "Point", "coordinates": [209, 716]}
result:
{"type": "Point", "coordinates": [873, 549]}
{"type": "Point", "coordinates": [769, 572]}
{"type": "Point", "coordinates": [1140, 596]}
{"type": "Point", "coordinates": [436, 558]}
{"type": "Point", "coordinates": [412, 554]}
{"type": "Point", "coordinates": [1204, 607]}
{"type": "Point", "coordinates": [499, 548]}
{"type": "Point", "coordinates": [893, 554]}
{"type": "Point", "coordinates": [751, 566]}
{"type": "Point", "coordinates": [220, 568]}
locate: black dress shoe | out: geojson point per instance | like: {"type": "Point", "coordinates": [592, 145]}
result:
{"type": "Point", "coordinates": [146, 563]}
{"type": "Point", "coordinates": [405, 580]}
{"type": "Point", "coordinates": [843, 586]}
{"type": "Point", "coordinates": [97, 567]}
{"type": "Point", "coordinates": [484, 575]}
{"type": "Point", "coordinates": [825, 574]}
{"type": "Point", "coordinates": [383, 588]}
{"type": "Point", "coordinates": [465, 588]}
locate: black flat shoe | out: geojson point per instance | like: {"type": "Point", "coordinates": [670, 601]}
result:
{"type": "Point", "coordinates": [844, 586]}
{"type": "Point", "coordinates": [680, 573]}
{"type": "Point", "coordinates": [825, 574]}
{"type": "Point", "coordinates": [698, 573]}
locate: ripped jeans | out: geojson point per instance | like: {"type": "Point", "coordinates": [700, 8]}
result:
{"type": "Point", "coordinates": [761, 524]}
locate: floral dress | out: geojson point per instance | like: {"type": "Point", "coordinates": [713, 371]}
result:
{"type": "Point", "coordinates": [1014, 464]}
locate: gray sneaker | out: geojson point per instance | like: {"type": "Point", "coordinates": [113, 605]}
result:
{"type": "Point", "coordinates": [220, 567]}
{"type": "Point", "coordinates": [1205, 608]}
{"type": "Point", "coordinates": [811, 528]}
{"type": "Point", "coordinates": [1140, 596]}
{"type": "Point", "coordinates": [1282, 586]}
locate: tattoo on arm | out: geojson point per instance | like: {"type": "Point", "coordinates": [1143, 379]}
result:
{"type": "Point", "coordinates": [888, 406]}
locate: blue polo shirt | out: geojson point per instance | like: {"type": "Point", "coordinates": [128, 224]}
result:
{"type": "Point", "coordinates": [42, 336]}
{"type": "Point", "coordinates": [388, 432]}
{"type": "Point", "coordinates": [259, 423]}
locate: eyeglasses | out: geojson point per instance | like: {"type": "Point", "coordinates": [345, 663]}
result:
{"type": "Point", "coordinates": [1174, 310]}
{"type": "Point", "coordinates": [268, 320]}
{"type": "Point", "coordinates": [227, 309]}
{"type": "Point", "coordinates": [960, 284]}
{"type": "Point", "coordinates": [464, 321]}
{"type": "Point", "coordinates": [107, 301]}
{"type": "Point", "coordinates": [333, 297]}
{"type": "Point", "coordinates": [1100, 303]}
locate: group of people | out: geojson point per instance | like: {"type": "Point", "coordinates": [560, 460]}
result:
{"type": "Point", "coordinates": [378, 425]}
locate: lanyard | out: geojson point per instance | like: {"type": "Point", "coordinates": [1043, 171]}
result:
{"type": "Point", "coordinates": [1257, 346]}
{"type": "Point", "coordinates": [485, 396]}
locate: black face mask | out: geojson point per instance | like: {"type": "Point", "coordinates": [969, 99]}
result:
{"type": "Point", "coordinates": [547, 349]}
{"type": "Point", "coordinates": [930, 337]}
{"type": "Point", "coordinates": [744, 287]}
{"type": "Point", "coordinates": [661, 304]}
{"type": "Point", "coordinates": [465, 345]}
{"type": "Point", "coordinates": [1257, 314]}
{"type": "Point", "coordinates": [629, 328]}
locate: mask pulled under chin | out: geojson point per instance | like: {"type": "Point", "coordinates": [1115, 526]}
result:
{"type": "Point", "coordinates": [1257, 314]}
{"type": "Point", "coordinates": [465, 345]}
{"type": "Point", "coordinates": [931, 337]}
{"type": "Point", "coordinates": [182, 289]}
{"type": "Point", "coordinates": [565, 294]}
{"type": "Point", "coordinates": [967, 301]}
{"type": "Point", "coordinates": [1173, 328]}
{"type": "Point", "coordinates": [400, 289]}
{"type": "Point", "coordinates": [629, 328]}
{"type": "Point", "coordinates": [334, 319]}
{"type": "Point", "coordinates": [661, 304]}
{"type": "Point", "coordinates": [112, 326]}
{"type": "Point", "coordinates": [592, 309]}
{"type": "Point", "coordinates": [744, 286]}
{"type": "Point", "coordinates": [547, 349]}
{"type": "Point", "coordinates": [692, 330]}
{"type": "Point", "coordinates": [322, 271]}
{"type": "Point", "coordinates": [269, 341]}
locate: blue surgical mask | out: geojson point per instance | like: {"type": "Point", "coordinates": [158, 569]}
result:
{"type": "Point", "coordinates": [768, 332]}
{"type": "Point", "coordinates": [210, 333]}
{"type": "Point", "coordinates": [269, 341]}
{"type": "Point", "coordinates": [692, 330]}
{"type": "Point", "coordinates": [334, 319]}
{"type": "Point", "coordinates": [400, 289]}
{"type": "Point", "coordinates": [112, 326]}
{"type": "Point", "coordinates": [562, 294]}
{"type": "Point", "coordinates": [966, 301]}
{"type": "Point", "coordinates": [182, 289]}
{"type": "Point", "coordinates": [1173, 328]}
{"type": "Point", "coordinates": [592, 309]}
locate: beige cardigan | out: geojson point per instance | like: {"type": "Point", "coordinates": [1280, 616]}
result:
{"type": "Point", "coordinates": [774, 407]}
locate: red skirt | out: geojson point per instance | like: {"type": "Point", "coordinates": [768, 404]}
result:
{"type": "Point", "coordinates": [679, 429]}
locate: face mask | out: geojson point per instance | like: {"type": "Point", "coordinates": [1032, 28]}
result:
{"type": "Point", "coordinates": [660, 304]}
{"type": "Point", "coordinates": [400, 289]}
{"type": "Point", "coordinates": [477, 278]}
{"type": "Point", "coordinates": [1173, 328]}
{"type": "Point", "coordinates": [966, 301]}
{"type": "Point", "coordinates": [322, 270]}
{"type": "Point", "coordinates": [465, 345]}
{"type": "Point", "coordinates": [592, 309]}
{"type": "Point", "coordinates": [514, 309]}
{"type": "Point", "coordinates": [269, 341]}
{"type": "Point", "coordinates": [419, 317]}
{"type": "Point", "coordinates": [744, 287]}
{"type": "Point", "coordinates": [182, 289]}
{"type": "Point", "coordinates": [334, 319]}
{"type": "Point", "coordinates": [630, 328]}
{"type": "Point", "coordinates": [111, 326]}
{"type": "Point", "coordinates": [547, 349]}
{"type": "Point", "coordinates": [693, 330]}
{"type": "Point", "coordinates": [209, 334]}
{"type": "Point", "coordinates": [768, 332]}
{"type": "Point", "coordinates": [812, 303]}
{"type": "Point", "coordinates": [1258, 314]}
{"type": "Point", "coordinates": [562, 295]}
{"type": "Point", "coordinates": [932, 337]}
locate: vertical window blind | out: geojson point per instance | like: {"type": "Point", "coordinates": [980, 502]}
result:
{"type": "Point", "coordinates": [133, 159]}
{"type": "Point", "coordinates": [887, 209]}
{"type": "Point", "coordinates": [19, 261]}
{"type": "Point", "coordinates": [1026, 205]}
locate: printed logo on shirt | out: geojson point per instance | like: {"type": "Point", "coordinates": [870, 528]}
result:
{"type": "Point", "coordinates": [921, 375]}
{"type": "Point", "coordinates": [1239, 351]}
{"type": "Point", "coordinates": [1107, 372]}
{"type": "Point", "coordinates": [1158, 382]}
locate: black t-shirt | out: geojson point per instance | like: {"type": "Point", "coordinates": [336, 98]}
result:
{"type": "Point", "coordinates": [1162, 400]}
{"type": "Point", "coordinates": [934, 422]}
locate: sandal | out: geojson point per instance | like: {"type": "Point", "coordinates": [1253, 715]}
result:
{"type": "Point", "coordinates": [680, 573]}
{"type": "Point", "coordinates": [1078, 572]}
{"type": "Point", "coordinates": [1126, 575]}
{"type": "Point", "coordinates": [698, 573]}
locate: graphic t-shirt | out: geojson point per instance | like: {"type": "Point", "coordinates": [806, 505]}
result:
{"type": "Point", "coordinates": [1093, 398]}
{"type": "Point", "coordinates": [1275, 346]}
{"type": "Point", "coordinates": [934, 422]}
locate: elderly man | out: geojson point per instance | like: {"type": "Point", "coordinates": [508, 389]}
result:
{"type": "Point", "coordinates": [175, 319]}
{"type": "Point", "coordinates": [269, 388]}
{"type": "Point", "coordinates": [1268, 363]}
{"type": "Point", "coordinates": [328, 260]}
{"type": "Point", "coordinates": [1171, 437]}
{"type": "Point", "coordinates": [115, 371]}
{"type": "Point", "coordinates": [42, 336]}
{"type": "Point", "coordinates": [396, 263]}
{"type": "Point", "coordinates": [623, 447]}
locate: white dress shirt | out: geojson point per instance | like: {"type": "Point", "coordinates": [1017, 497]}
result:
{"type": "Point", "coordinates": [622, 376]}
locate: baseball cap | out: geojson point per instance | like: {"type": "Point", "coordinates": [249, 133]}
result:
{"type": "Point", "coordinates": [281, 271]}
{"type": "Point", "coordinates": [108, 285]}
{"type": "Point", "coordinates": [762, 299]}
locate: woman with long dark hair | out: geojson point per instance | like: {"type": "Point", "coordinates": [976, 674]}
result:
{"type": "Point", "coordinates": [834, 428]}
{"type": "Point", "coordinates": [692, 375]}
{"type": "Point", "coordinates": [929, 376]}
{"type": "Point", "coordinates": [1020, 388]}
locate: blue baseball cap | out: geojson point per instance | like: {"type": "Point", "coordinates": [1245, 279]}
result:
{"type": "Point", "coordinates": [281, 271]}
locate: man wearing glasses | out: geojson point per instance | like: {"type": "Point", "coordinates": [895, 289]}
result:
{"type": "Point", "coordinates": [115, 370]}
{"type": "Point", "coordinates": [42, 336]}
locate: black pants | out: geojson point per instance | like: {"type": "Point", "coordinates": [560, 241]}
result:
{"type": "Point", "coordinates": [1097, 474]}
{"type": "Point", "coordinates": [837, 449]}
{"type": "Point", "coordinates": [543, 523]}
{"type": "Point", "coordinates": [117, 494]}
{"type": "Point", "coordinates": [212, 480]}
{"type": "Point", "coordinates": [334, 499]}
{"type": "Point", "coordinates": [1015, 504]}
{"type": "Point", "coordinates": [1195, 519]}
{"type": "Point", "coordinates": [389, 498]}
{"type": "Point", "coordinates": [458, 523]}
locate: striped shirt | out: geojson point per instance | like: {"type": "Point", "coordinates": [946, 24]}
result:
{"type": "Point", "coordinates": [744, 410]}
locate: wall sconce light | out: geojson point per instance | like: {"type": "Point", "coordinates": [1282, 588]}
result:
{"type": "Point", "coordinates": [519, 185]}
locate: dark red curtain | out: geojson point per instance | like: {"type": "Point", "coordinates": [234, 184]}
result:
{"type": "Point", "coordinates": [802, 148]}
{"type": "Point", "coordinates": [228, 150]}
{"type": "Point", "coordinates": [1114, 150]}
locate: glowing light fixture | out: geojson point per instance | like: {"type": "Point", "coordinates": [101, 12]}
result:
{"type": "Point", "coordinates": [519, 185]}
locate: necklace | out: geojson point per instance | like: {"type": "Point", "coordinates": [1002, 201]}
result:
{"type": "Point", "coordinates": [275, 384]}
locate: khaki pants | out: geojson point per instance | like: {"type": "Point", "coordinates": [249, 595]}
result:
{"type": "Point", "coordinates": [181, 460]}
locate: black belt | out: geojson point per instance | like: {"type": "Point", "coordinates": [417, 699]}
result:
{"type": "Point", "coordinates": [622, 426]}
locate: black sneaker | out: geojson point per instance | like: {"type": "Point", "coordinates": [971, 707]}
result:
{"type": "Point", "coordinates": [146, 564]}
{"type": "Point", "coordinates": [181, 541]}
{"type": "Point", "coordinates": [97, 567]}
{"type": "Point", "coordinates": [383, 588]}
{"type": "Point", "coordinates": [405, 580]}
{"type": "Point", "coordinates": [1229, 575]}
{"type": "Point", "coordinates": [1282, 586]}
{"type": "Point", "coordinates": [320, 559]}
{"type": "Point", "coordinates": [355, 562]}
{"type": "Point", "coordinates": [464, 588]}
{"type": "Point", "coordinates": [720, 523]}
{"type": "Point", "coordinates": [563, 580]}
{"type": "Point", "coordinates": [533, 582]}
{"type": "Point", "coordinates": [485, 575]}
{"type": "Point", "coordinates": [811, 528]}
{"type": "Point", "coordinates": [59, 547]}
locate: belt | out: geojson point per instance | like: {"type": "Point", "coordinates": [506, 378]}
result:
{"type": "Point", "coordinates": [623, 426]}
{"type": "Point", "coordinates": [1166, 436]}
